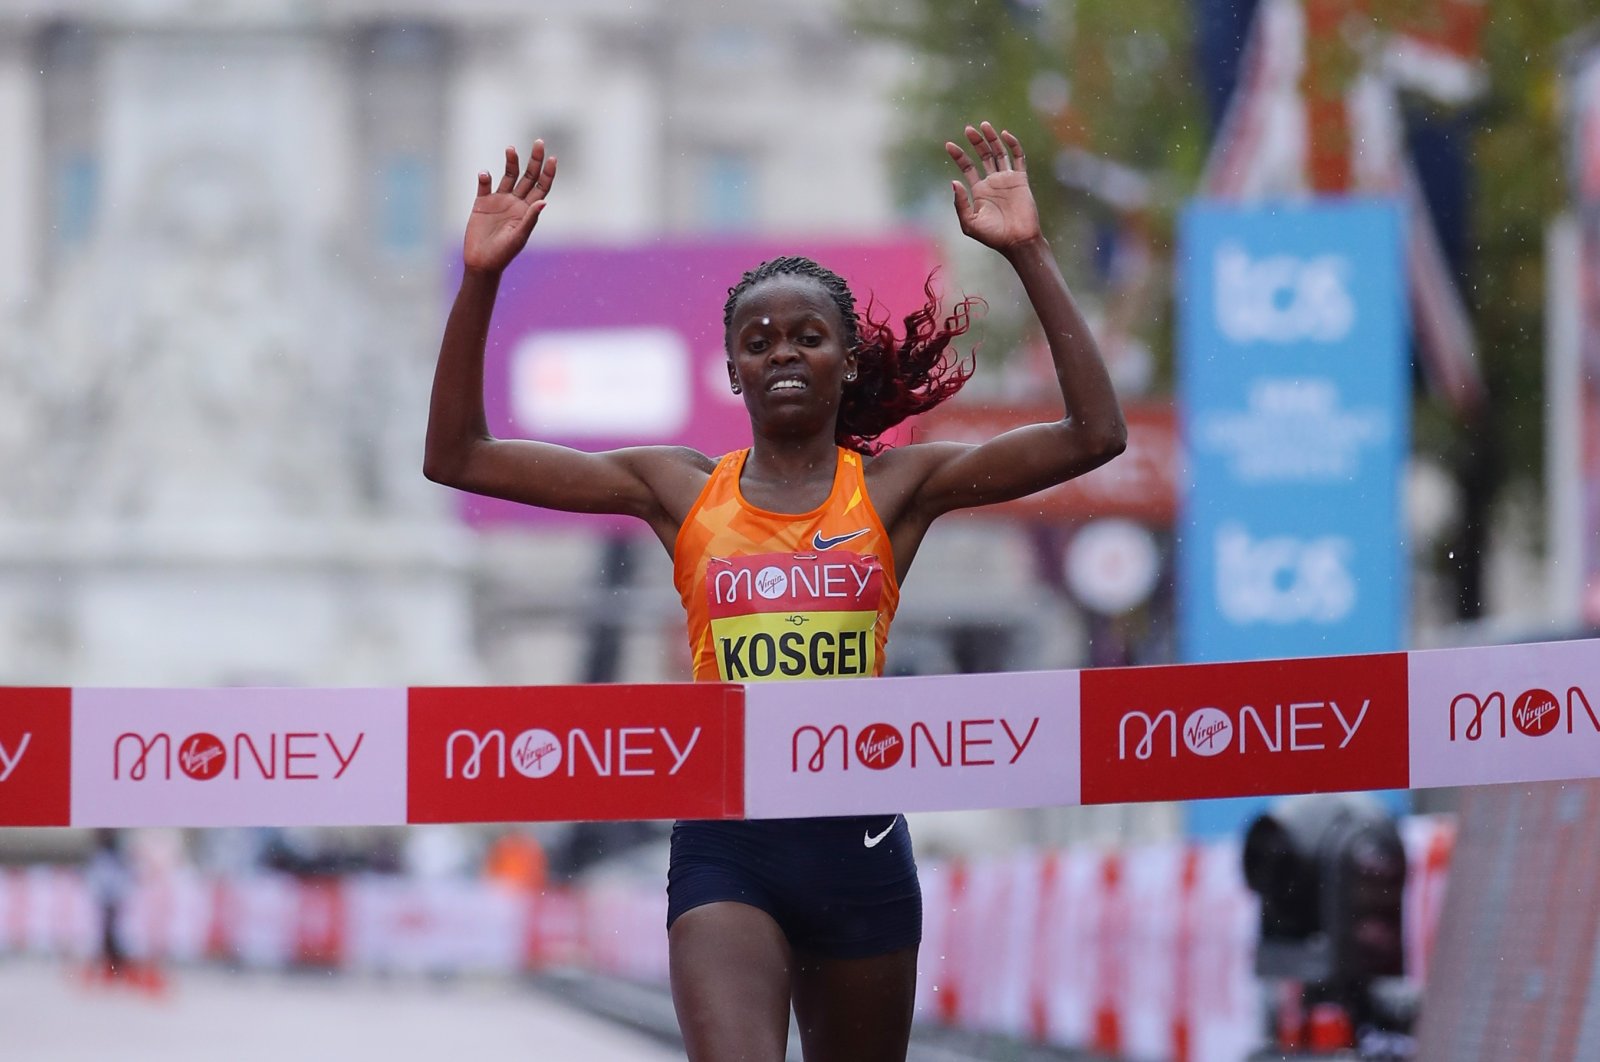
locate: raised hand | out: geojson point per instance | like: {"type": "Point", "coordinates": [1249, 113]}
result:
{"type": "Point", "coordinates": [996, 207]}
{"type": "Point", "coordinates": [502, 220]}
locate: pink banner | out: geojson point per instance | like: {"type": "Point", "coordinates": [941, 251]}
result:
{"type": "Point", "coordinates": [846, 747]}
{"type": "Point", "coordinates": [238, 757]}
{"type": "Point", "coordinates": [1527, 713]}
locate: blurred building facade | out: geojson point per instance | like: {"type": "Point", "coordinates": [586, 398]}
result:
{"type": "Point", "coordinates": [225, 254]}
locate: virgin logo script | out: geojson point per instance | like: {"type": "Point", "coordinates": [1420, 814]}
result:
{"type": "Point", "coordinates": [1296, 726]}
{"type": "Point", "coordinates": [9, 758]}
{"type": "Point", "coordinates": [879, 746]}
{"type": "Point", "coordinates": [771, 583]}
{"type": "Point", "coordinates": [295, 756]}
{"type": "Point", "coordinates": [536, 753]}
{"type": "Point", "coordinates": [1534, 713]}
{"type": "Point", "coordinates": [202, 756]}
{"type": "Point", "coordinates": [1207, 732]}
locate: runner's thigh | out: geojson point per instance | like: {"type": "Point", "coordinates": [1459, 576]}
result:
{"type": "Point", "coordinates": [855, 1010]}
{"type": "Point", "coordinates": [731, 976]}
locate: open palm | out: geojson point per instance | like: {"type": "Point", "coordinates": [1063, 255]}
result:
{"type": "Point", "coordinates": [502, 219]}
{"type": "Point", "coordinates": [995, 207]}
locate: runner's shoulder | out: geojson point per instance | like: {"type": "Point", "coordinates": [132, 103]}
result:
{"type": "Point", "coordinates": [909, 465]}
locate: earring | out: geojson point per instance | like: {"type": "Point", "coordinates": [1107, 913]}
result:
{"type": "Point", "coordinates": [737, 389]}
{"type": "Point", "coordinates": [850, 377]}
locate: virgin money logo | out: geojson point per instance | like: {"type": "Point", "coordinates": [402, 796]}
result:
{"type": "Point", "coordinates": [1296, 726]}
{"type": "Point", "coordinates": [569, 753]}
{"type": "Point", "coordinates": [10, 758]}
{"type": "Point", "coordinates": [1207, 732]}
{"type": "Point", "coordinates": [599, 752]}
{"type": "Point", "coordinates": [879, 746]}
{"type": "Point", "coordinates": [801, 582]}
{"type": "Point", "coordinates": [202, 756]}
{"type": "Point", "coordinates": [1534, 712]}
{"type": "Point", "coordinates": [1198, 731]}
{"type": "Point", "coordinates": [978, 742]}
{"type": "Point", "coordinates": [297, 756]}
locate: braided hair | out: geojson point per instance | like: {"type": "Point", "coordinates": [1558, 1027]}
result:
{"type": "Point", "coordinates": [896, 378]}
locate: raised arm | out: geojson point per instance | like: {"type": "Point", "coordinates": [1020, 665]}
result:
{"type": "Point", "coordinates": [996, 208]}
{"type": "Point", "coordinates": [647, 482]}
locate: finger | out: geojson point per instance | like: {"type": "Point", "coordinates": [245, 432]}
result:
{"type": "Point", "coordinates": [981, 146]}
{"type": "Point", "coordinates": [997, 150]}
{"type": "Point", "coordinates": [547, 177]}
{"type": "Point", "coordinates": [483, 183]}
{"type": "Point", "coordinates": [1018, 159]}
{"type": "Point", "coordinates": [530, 176]}
{"type": "Point", "coordinates": [968, 170]}
{"type": "Point", "coordinates": [964, 209]}
{"type": "Point", "coordinates": [530, 217]}
{"type": "Point", "coordinates": [512, 166]}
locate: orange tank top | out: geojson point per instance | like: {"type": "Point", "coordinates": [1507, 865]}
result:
{"type": "Point", "coordinates": [780, 596]}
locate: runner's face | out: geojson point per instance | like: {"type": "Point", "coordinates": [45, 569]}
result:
{"type": "Point", "coordinates": [786, 354]}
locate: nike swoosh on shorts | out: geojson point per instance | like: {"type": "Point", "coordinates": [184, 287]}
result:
{"type": "Point", "coordinates": [872, 841]}
{"type": "Point", "coordinates": [819, 543]}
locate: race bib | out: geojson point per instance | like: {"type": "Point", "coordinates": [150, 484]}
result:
{"type": "Point", "coordinates": [794, 615]}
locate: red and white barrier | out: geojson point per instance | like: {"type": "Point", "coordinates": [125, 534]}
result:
{"type": "Point", "coordinates": [1143, 952]}
{"type": "Point", "coordinates": [276, 757]}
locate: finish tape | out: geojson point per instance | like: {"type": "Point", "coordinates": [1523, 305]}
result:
{"type": "Point", "coordinates": [339, 757]}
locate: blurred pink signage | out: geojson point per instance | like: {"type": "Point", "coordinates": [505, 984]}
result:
{"type": "Point", "coordinates": [238, 757]}
{"type": "Point", "coordinates": [603, 347]}
{"type": "Point", "coordinates": [852, 747]}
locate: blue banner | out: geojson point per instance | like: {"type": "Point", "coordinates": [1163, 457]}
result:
{"type": "Point", "coordinates": [1294, 391]}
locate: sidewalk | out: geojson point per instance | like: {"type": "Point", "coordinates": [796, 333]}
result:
{"type": "Point", "coordinates": [48, 1014]}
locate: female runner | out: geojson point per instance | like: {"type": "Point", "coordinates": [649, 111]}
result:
{"type": "Point", "coordinates": [821, 914]}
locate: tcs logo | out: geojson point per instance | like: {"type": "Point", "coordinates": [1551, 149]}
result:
{"type": "Point", "coordinates": [1282, 298]}
{"type": "Point", "coordinates": [1282, 579]}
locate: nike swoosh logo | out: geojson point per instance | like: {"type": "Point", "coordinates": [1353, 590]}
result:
{"type": "Point", "coordinates": [872, 841]}
{"type": "Point", "coordinates": [820, 544]}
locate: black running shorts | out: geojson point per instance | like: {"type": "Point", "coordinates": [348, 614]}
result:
{"type": "Point", "coordinates": [844, 888]}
